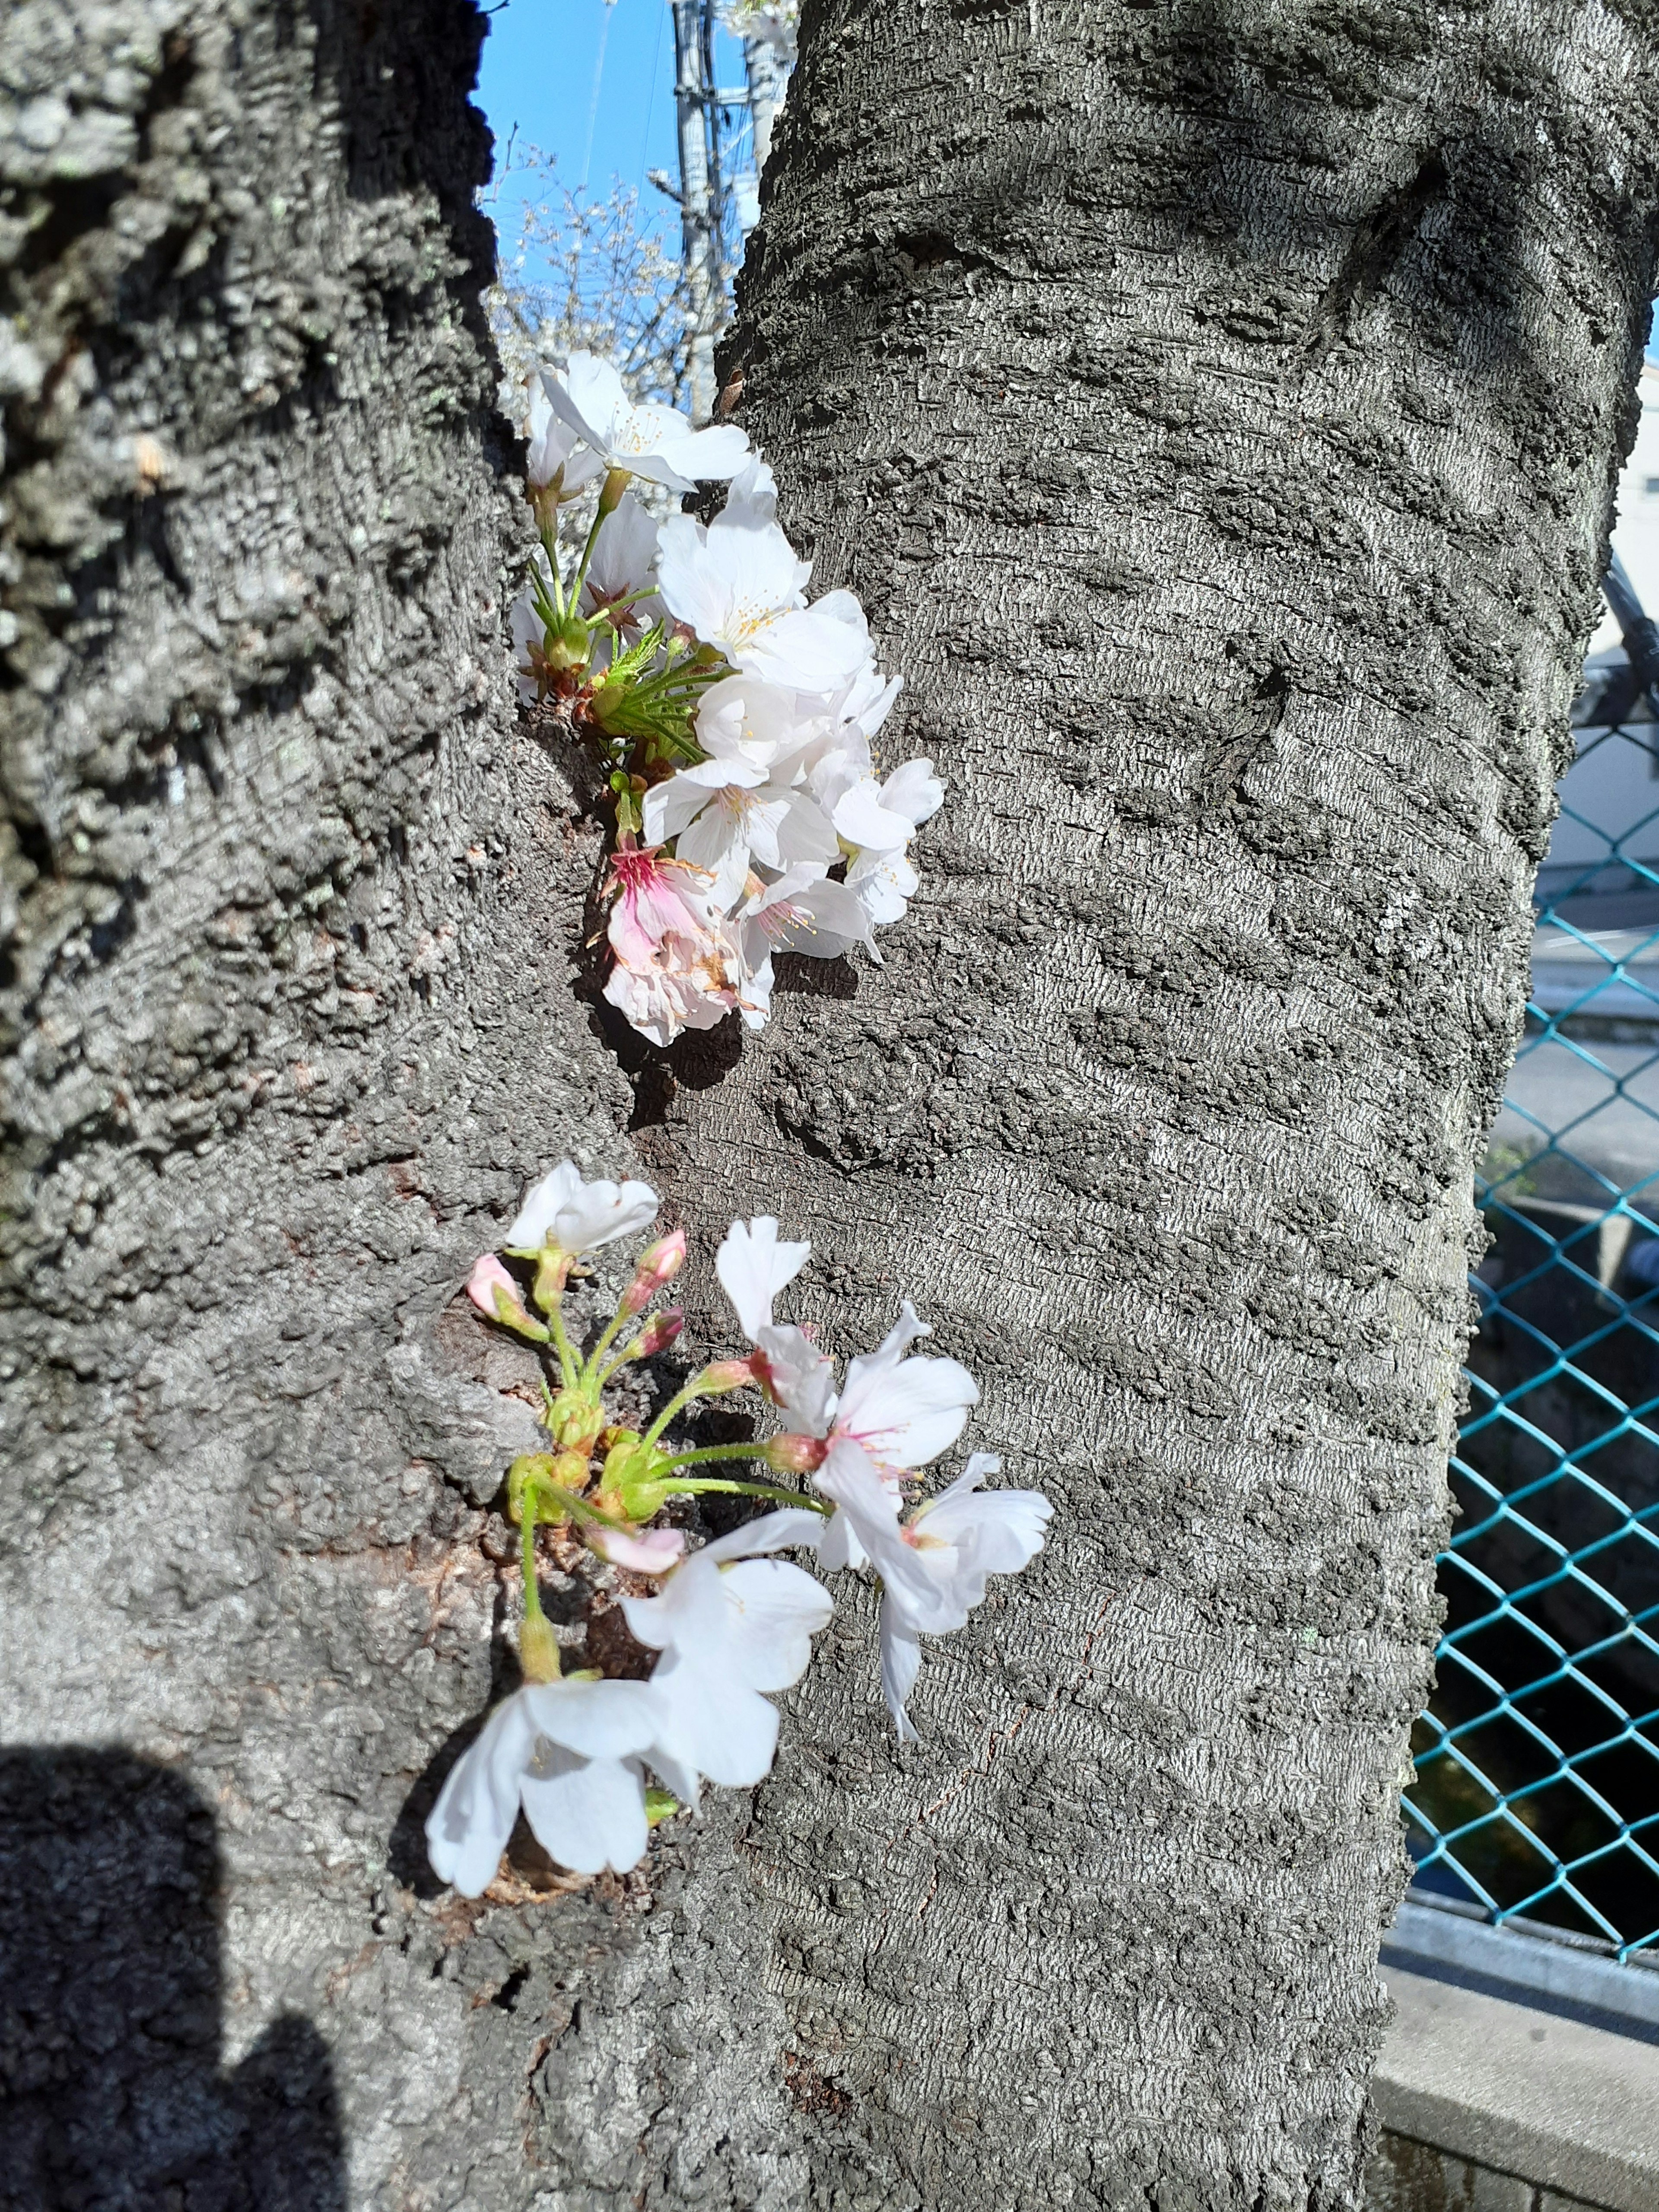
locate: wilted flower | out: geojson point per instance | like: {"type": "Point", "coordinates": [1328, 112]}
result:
{"type": "Point", "coordinates": [678, 964]}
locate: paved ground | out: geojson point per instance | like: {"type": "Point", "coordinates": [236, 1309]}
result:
{"type": "Point", "coordinates": [1603, 1098]}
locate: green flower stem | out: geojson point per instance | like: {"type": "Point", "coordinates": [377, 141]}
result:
{"type": "Point", "coordinates": [749, 1490]}
{"type": "Point", "coordinates": [591, 1371]}
{"type": "Point", "coordinates": [628, 1353]}
{"type": "Point", "coordinates": [715, 1451]}
{"type": "Point", "coordinates": [532, 1597]}
{"type": "Point", "coordinates": [606, 506]}
{"type": "Point", "coordinates": [567, 1367]}
{"type": "Point", "coordinates": [695, 1389]}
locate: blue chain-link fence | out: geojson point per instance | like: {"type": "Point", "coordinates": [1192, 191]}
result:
{"type": "Point", "coordinates": [1537, 1790]}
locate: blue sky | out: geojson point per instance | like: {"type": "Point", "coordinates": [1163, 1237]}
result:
{"type": "Point", "coordinates": [543, 71]}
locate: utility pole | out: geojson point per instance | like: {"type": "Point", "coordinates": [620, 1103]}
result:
{"type": "Point", "coordinates": [700, 196]}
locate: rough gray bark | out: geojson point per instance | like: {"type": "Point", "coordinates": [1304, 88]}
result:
{"type": "Point", "coordinates": [1165, 404]}
{"type": "Point", "coordinates": [1216, 408]}
{"type": "Point", "coordinates": [292, 903]}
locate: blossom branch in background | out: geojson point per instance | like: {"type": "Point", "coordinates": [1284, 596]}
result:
{"type": "Point", "coordinates": [734, 716]}
{"type": "Point", "coordinates": [731, 1623]}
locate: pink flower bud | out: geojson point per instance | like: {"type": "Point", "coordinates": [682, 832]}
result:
{"type": "Point", "coordinates": [495, 1294]}
{"type": "Point", "coordinates": [652, 1551]}
{"type": "Point", "coordinates": [660, 1332]}
{"type": "Point", "coordinates": [724, 1374]}
{"type": "Point", "coordinates": [789, 1455]}
{"type": "Point", "coordinates": [654, 1267]}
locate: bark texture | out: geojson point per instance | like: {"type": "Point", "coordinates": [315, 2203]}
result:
{"type": "Point", "coordinates": [1217, 408]}
{"type": "Point", "coordinates": [291, 909]}
{"type": "Point", "coordinates": [1216, 411]}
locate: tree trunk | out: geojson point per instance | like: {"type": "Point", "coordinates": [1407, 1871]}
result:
{"type": "Point", "coordinates": [293, 903]}
{"type": "Point", "coordinates": [1218, 411]}
{"type": "Point", "coordinates": [1218, 419]}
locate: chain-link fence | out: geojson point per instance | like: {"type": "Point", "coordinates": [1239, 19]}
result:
{"type": "Point", "coordinates": [1537, 1790]}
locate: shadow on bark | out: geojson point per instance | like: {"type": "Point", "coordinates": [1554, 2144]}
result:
{"type": "Point", "coordinates": [112, 2096]}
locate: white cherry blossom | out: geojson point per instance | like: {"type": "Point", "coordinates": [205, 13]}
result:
{"type": "Point", "coordinates": [753, 1267]}
{"type": "Point", "coordinates": [730, 1625]}
{"type": "Point", "coordinates": [742, 719]}
{"type": "Point", "coordinates": [902, 1412]}
{"type": "Point", "coordinates": [802, 912]}
{"type": "Point", "coordinates": [578, 1216]}
{"type": "Point", "coordinates": [957, 1538]}
{"type": "Point", "coordinates": [877, 820]}
{"type": "Point", "coordinates": [740, 588]}
{"type": "Point", "coordinates": [647, 440]}
{"type": "Point", "coordinates": [568, 1752]}
{"type": "Point", "coordinates": [722, 814]}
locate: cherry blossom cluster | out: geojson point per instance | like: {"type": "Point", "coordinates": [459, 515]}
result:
{"type": "Point", "coordinates": [775, 22]}
{"type": "Point", "coordinates": [736, 719]}
{"type": "Point", "coordinates": [731, 1621]}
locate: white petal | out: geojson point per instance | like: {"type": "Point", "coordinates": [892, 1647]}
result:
{"type": "Point", "coordinates": [908, 1415]}
{"type": "Point", "coordinates": [848, 1478]}
{"type": "Point", "coordinates": [753, 1267]}
{"type": "Point", "coordinates": [588, 1813]}
{"type": "Point", "coordinates": [900, 1661]}
{"type": "Point", "coordinates": [671, 807]}
{"type": "Point", "coordinates": [790, 1526]}
{"type": "Point", "coordinates": [535, 1217]}
{"type": "Point", "coordinates": [753, 499]}
{"type": "Point", "coordinates": [778, 1609]}
{"type": "Point", "coordinates": [913, 791]}
{"type": "Point", "coordinates": [715, 1723]}
{"type": "Point", "coordinates": [710, 455]}
{"type": "Point", "coordinates": [862, 820]}
{"type": "Point", "coordinates": [804, 832]}
{"type": "Point", "coordinates": [467, 1829]}
{"type": "Point", "coordinates": [840, 1546]}
{"type": "Point", "coordinates": [587, 397]}
{"type": "Point", "coordinates": [802, 1378]}
{"type": "Point", "coordinates": [801, 648]}
{"type": "Point", "coordinates": [598, 1213]}
{"type": "Point", "coordinates": [688, 1616]}
{"type": "Point", "coordinates": [600, 1720]}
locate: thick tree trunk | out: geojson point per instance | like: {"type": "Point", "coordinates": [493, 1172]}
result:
{"type": "Point", "coordinates": [293, 905]}
{"type": "Point", "coordinates": [1224, 459]}
{"type": "Point", "coordinates": [1218, 411]}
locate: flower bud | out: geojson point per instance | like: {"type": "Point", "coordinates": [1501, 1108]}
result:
{"type": "Point", "coordinates": [495, 1294]}
{"type": "Point", "coordinates": [575, 1422]}
{"type": "Point", "coordinates": [526, 1473]}
{"type": "Point", "coordinates": [654, 1267]}
{"type": "Point", "coordinates": [538, 1649]}
{"type": "Point", "coordinates": [660, 1332]}
{"type": "Point", "coordinates": [793, 1454]}
{"type": "Point", "coordinates": [724, 1374]}
{"type": "Point", "coordinates": [569, 645]}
